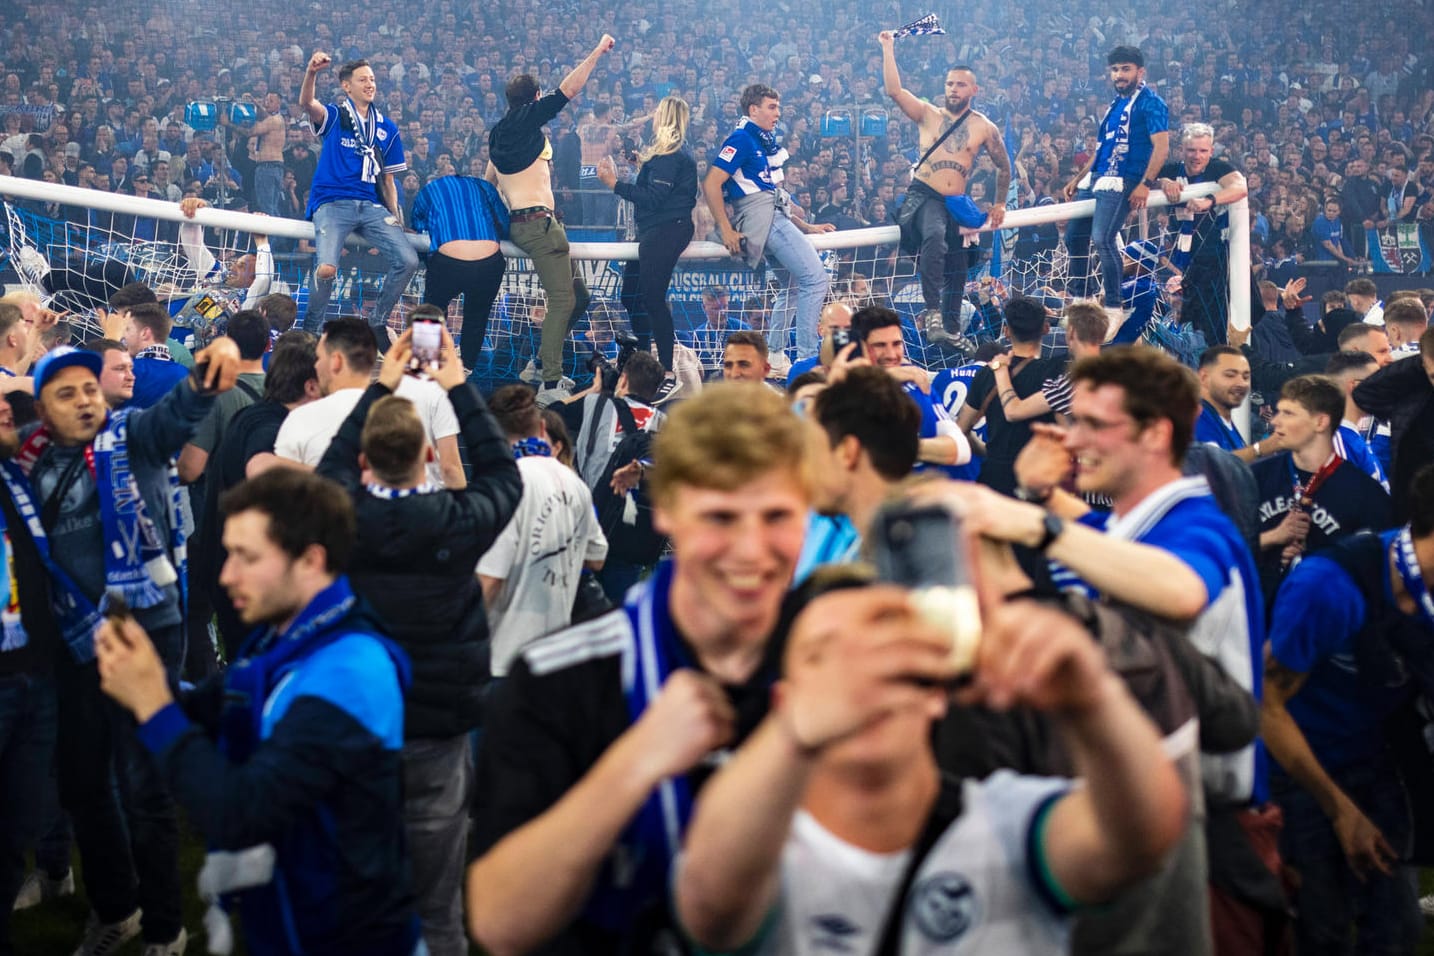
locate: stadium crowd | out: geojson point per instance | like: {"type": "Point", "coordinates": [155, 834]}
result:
{"type": "Point", "coordinates": [1052, 646]}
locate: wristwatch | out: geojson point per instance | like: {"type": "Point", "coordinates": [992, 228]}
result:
{"type": "Point", "coordinates": [1052, 526]}
{"type": "Point", "coordinates": [1034, 496]}
{"type": "Point", "coordinates": [1149, 183]}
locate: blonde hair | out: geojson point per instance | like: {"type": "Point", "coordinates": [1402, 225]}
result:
{"type": "Point", "coordinates": [729, 434]}
{"type": "Point", "coordinates": [669, 128]}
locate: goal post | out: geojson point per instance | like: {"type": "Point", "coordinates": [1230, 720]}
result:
{"type": "Point", "coordinates": [82, 227]}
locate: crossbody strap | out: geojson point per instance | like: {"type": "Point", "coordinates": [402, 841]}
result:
{"type": "Point", "coordinates": [944, 136]}
{"type": "Point", "coordinates": [1015, 370]}
{"type": "Point", "coordinates": [943, 813]}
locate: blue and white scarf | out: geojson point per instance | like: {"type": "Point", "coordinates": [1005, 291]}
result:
{"type": "Point", "coordinates": [139, 564]}
{"type": "Point", "coordinates": [771, 146]}
{"type": "Point", "coordinates": [365, 135]}
{"type": "Point", "coordinates": [1110, 178]}
{"type": "Point", "coordinates": [391, 494]}
{"type": "Point", "coordinates": [1406, 562]}
{"type": "Point", "coordinates": [922, 26]}
{"type": "Point", "coordinates": [531, 448]}
{"type": "Point", "coordinates": [646, 849]}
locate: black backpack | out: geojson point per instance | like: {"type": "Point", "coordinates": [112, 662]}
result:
{"type": "Point", "coordinates": [638, 543]}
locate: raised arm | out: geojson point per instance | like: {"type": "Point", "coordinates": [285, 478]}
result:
{"type": "Point", "coordinates": [908, 101]}
{"type": "Point", "coordinates": [573, 83]}
{"type": "Point", "coordinates": [311, 106]}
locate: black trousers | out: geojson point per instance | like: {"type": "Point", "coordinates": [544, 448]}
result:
{"type": "Point", "coordinates": [942, 260]}
{"type": "Point", "coordinates": [645, 281]}
{"type": "Point", "coordinates": [478, 281]}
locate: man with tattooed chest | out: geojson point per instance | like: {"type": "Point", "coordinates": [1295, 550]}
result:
{"type": "Point", "coordinates": [952, 136]}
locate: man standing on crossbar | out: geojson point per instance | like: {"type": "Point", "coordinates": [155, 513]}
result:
{"type": "Point", "coordinates": [521, 160]}
{"type": "Point", "coordinates": [951, 136]}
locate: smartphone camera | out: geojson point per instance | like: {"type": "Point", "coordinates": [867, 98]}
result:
{"type": "Point", "coordinates": [427, 343]}
{"type": "Point", "coordinates": [919, 548]}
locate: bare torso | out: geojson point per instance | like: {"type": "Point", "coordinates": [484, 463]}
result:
{"type": "Point", "coordinates": [950, 166]}
{"type": "Point", "coordinates": [270, 133]}
{"type": "Point", "coordinates": [529, 187]}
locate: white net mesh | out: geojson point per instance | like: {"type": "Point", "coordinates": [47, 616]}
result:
{"type": "Point", "coordinates": [80, 255]}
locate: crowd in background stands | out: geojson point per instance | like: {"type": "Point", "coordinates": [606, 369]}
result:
{"type": "Point", "coordinates": [1310, 102]}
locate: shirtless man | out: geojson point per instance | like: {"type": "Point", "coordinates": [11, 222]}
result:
{"type": "Point", "coordinates": [600, 140]}
{"type": "Point", "coordinates": [521, 160]}
{"type": "Point", "coordinates": [266, 149]}
{"type": "Point", "coordinates": [941, 259]}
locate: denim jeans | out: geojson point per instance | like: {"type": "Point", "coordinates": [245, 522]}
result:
{"type": "Point", "coordinates": [333, 222]}
{"type": "Point", "coordinates": [1383, 909]}
{"type": "Point", "coordinates": [268, 187]}
{"type": "Point", "coordinates": [1102, 228]}
{"type": "Point", "coordinates": [27, 749]}
{"type": "Point", "coordinates": [128, 835]}
{"type": "Point", "coordinates": [437, 780]}
{"type": "Point", "coordinates": [804, 288]}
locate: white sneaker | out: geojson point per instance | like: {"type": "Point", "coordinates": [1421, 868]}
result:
{"type": "Point", "coordinates": [39, 886]}
{"type": "Point", "coordinates": [31, 265]}
{"type": "Point", "coordinates": [530, 374]}
{"type": "Point", "coordinates": [1116, 316]}
{"type": "Point", "coordinates": [105, 939]}
{"type": "Point", "coordinates": [1426, 906]}
{"type": "Point", "coordinates": [173, 948]}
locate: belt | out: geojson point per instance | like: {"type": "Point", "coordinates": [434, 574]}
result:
{"type": "Point", "coordinates": [270, 162]}
{"type": "Point", "coordinates": [529, 213]}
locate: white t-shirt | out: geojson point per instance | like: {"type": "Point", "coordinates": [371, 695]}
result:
{"type": "Point", "coordinates": [977, 891]}
{"type": "Point", "coordinates": [540, 556]}
{"type": "Point", "coordinates": [309, 429]}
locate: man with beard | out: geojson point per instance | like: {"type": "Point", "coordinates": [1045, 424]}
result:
{"type": "Point", "coordinates": [1134, 141]}
{"type": "Point", "coordinates": [1224, 383]}
{"type": "Point", "coordinates": [951, 136]}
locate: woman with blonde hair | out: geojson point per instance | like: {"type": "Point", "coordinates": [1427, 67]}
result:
{"type": "Point", "coordinates": [662, 197]}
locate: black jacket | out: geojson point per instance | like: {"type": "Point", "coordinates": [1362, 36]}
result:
{"type": "Point", "coordinates": [415, 559]}
{"type": "Point", "coordinates": [1400, 394]}
{"type": "Point", "coordinates": [665, 190]}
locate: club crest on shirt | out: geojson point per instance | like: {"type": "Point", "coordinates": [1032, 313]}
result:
{"type": "Point", "coordinates": [944, 907]}
{"type": "Point", "coordinates": [833, 932]}
{"type": "Point", "coordinates": [382, 133]}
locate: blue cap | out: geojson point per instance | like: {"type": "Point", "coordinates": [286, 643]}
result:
{"type": "Point", "coordinates": [53, 361]}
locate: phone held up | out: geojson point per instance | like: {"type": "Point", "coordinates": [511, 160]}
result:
{"type": "Point", "coordinates": [919, 547]}
{"type": "Point", "coordinates": [427, 343]}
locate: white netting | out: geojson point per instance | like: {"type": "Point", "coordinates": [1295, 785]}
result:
{"type": "Point", "coordinates": [90, 252]}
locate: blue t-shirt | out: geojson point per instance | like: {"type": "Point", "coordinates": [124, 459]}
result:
{"type": "Point", "coordinates": [801, 367]}
{"type": "Point", "coordinates": [1317, 614]}
{"type": "Point", "coordinates": [1329, 230]}
{"type": "Point", "coordinates": [153, 379]}
{"type": "Point", "coordinates": [459, 208]}
{"type": "Point", "coordinates": [1183, 519]}
{"type": "Point", "coordinates": [949, 390]}
{"type": "Point", "coordinates": [747, 162]}
{"type": "Point", "coordinates": [1351, 446]}
{"type": "Point", "coordinates": [1149, 115]}
{"type": "Point", "coordinates": [830, 539]}
{"type": "Point", "coordinates": [1211, 429]}
{"type": "Point", "coordinates": [339, 174]}
{"type": "Point", "coordinates": [932, 414]}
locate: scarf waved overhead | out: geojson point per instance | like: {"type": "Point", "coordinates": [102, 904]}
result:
{"type": "Point", "coordinates": [1110, 179]}
{"type": "Point", "coordinates": [139, 564]}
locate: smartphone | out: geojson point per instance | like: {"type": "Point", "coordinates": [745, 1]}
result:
{"type": "Point", "coordinates": [919, 548]}
{"type": "Point", "coordinates": [427, 343]}
{"type": "Point", "coordinates": [841, 337]}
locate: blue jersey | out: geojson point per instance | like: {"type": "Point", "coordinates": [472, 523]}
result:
{"type": "Point", "coordinates": [339, 174]}
{"type": "Point", "coordinates": [935, 422]}
{"type": "Point", "coordinates": [1351, 446]}
{"type": "Point", "coordinates": [1318, 613]}
{"type": "Point", "coordinates": [949, 390]}
{"type": "Point", "coordinates": [1140, 295]}
{"type": "Point", "coordinates": [459, 207]}
{"type": "Point", "coordinates": [752, 160]}
{"type": "Point", "coordinates": [1212, 429]}
{"type": "Point", "coordinates": [802, 366]}
{"type": "Point", "coordinates": [1183, 519]}
{"type": "Point", "coordinates": [829, 540]}
{"type": "Point", "coordinates": [1148, 116]}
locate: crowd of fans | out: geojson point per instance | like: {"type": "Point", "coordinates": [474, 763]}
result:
{"type": "Point", "coordinates": [501, 663]}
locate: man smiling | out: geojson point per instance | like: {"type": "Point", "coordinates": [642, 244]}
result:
{"type": "Point", "coordinates": [585, 777]}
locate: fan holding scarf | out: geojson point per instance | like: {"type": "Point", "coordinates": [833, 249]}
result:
{"type": "Point", "coordinates": [99, 495]}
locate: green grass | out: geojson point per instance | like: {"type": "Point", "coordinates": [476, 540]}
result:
{"type": "Point", "coordinates": [54, 928]}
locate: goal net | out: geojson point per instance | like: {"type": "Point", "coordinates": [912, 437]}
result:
{"type": "Point", "coordinates": [78, 246]}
